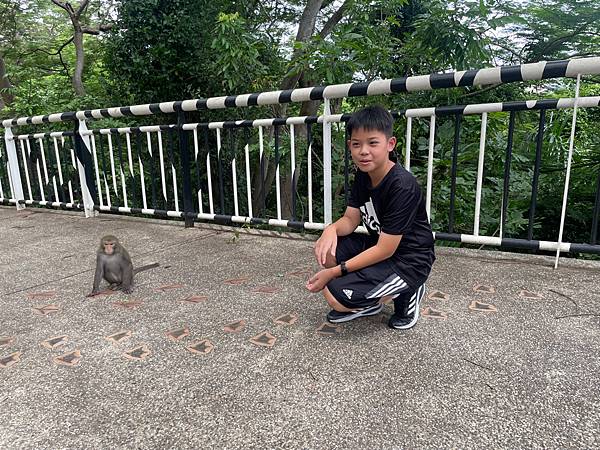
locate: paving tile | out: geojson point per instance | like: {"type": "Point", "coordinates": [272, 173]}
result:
{"type": "Point", "coordinates": [10, 360]}
{"type": "Point", "coordinates": [203, 347]}
{"type": "Point", "coordinates": [438, 295]}
{"type": "Point", "coordinates": [178, 334]}
{"type": "Point", "coordinates": [119, 337]}
{"type": "Point", "coordinates": [328, 329]}
{"type": "Point", "coordinates": [195, 299]}
{"type": "Point", "coordinates": [46, 310]}
{"type": "Point", "coordinates": [530, 295]}
{"type": "Point", "coordinates": [432, 313]}
{"type": "Point", "coordinates": [482, 307]}
{"type": "Point", "coordinates": [304, 272]}
{"type": "Point", "coordinates": [484, 289]}
{"type": "Point", "coordinates": [264, 339]}
{"type": "Point", "coordinates": [168, 287]}
{"type": "Point", "coordinates": [237, 281]}
{"type": "Point", "coordinates": [267, 289]}
{"type": "Point", "coordinates": [53, 342]}
{"type": "Point", "coordinates": [68, 359]}
{"type": "Point", "coordinates": [6, 341]}
{"type": "Point", "coordinates": [286, 319]}
{"type": "Point", "coordinates": [42, 295]}
{"type": "Point", "coordinates": [235, 327]}
{"type": "Point", "coordinates": [138, 353]}
{"type": "Point", "coordinates": [131, 304]}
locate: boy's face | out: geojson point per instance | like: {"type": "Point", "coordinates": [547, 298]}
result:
{"type": "Point", "coordinates": [370, 149]}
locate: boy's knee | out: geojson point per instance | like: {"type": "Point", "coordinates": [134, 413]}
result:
{"type": "Point", "coordinates": [330, 261]}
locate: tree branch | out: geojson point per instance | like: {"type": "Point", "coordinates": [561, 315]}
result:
{"type": "Point", "coordinates": [334, 19]}
{"type": "Point", "coordinates": [97, 31]}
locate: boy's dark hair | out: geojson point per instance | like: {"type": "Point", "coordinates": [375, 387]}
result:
{"type": "Point", "coordinates": [372, 118]}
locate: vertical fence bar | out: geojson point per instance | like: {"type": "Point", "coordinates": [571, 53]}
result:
{"type": "Point", "coordinates": [536, 172]}
{"type": "Point", "coordinates": [233, 173]}
{"type": "Point", "coordinates": [263, 197]}
{"type": "Point", "coordinates": [138, 152]}
{"type": "Point", "coordinates": [594, 233]}
{"type": "Point", "coordinates": [293, 169]}
{"type": "Point", "coordinates": [309, 171]}
{"type": "Point", "coordinates": [45, 167]}
{"type": "Point", "coordinates": [408, 139]}
{"type": "Point", "coordinates": [37, 166]}
{"type": "Point", "coordinates": [568, 176]}
{"type": "Point", "coordinates": [121, 172]}
{"type": "Point", "coordinates": [83, 150]}
{"type": "Point", "coordinates": [14, 175]}
{"type": "Point", "coordinates": [327, 200]}
{"type": "Point", "coordinates": [507, 163]}
{"type": "Point", "coordinates": [161, 161]}
{"type": "Point", "coordinates": [95, 155]}
{"type": "Point", "coordinates": [248, 186]}
{"type": "Point", "coordinates": [220, 168]}
{"type": "Point", "coordinates": [131, 168]}
{"type": "Point", "coordinates": [25, 160]}
{"type": "Point", "coordinates": [184, 150]}
{"type": "Point", "coordinates": [211, 205]}
{"type": "Point", "coordinates": [197, 163]}
{"type": "Point", "coordinates": [457, 124]}
{"type": "Point", "coordinates": [111, 154]}
{"type": "Point", "coordinates": [104, 176]}
{"type": "Point", "coordinates": [152, 168]}
{"type": "Point", "coordinates": [430, 165]}
{"type": "Point", "coordinates": [52, 166]}
{"type": "Point", "coordinates": [482, 136]}
{"type": "Point", "coordinates": [277, 185]}
{"type": "Point", "coordinates": [60, 171]}
{"type": "Point", "coordinates": [170, 146]}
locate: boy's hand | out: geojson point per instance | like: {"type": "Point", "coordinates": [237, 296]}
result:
{"type": "Point", "coordinates": [325, 245]}
{"type": "Point", "coordinates": [320, 280]}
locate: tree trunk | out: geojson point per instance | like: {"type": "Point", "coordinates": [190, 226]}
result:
{"type": "Point", "coordinates": [6, 97]}
{"type": "Point", "coordinates": [79, 61]}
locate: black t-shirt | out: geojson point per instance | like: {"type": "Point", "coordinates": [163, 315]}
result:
{"type": "Point", "coordinates": [397, 206]}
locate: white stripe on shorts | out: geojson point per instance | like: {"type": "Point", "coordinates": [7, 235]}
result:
{"type": "Point", "coordinates": [391, 285]}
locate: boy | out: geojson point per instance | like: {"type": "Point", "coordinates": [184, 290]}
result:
{"type": "Point", "coordinates": [361, 272]}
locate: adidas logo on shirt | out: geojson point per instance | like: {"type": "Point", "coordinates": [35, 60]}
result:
{"type": "Point", "coordinates": [348, 293]}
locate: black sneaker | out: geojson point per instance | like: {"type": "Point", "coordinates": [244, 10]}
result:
{"type": "Point", "coordinates": [406, 316]}
{"type": "Point", "coordinates": [334, 316]}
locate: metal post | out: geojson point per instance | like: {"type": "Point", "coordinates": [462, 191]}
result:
{"type": "Point", "coordinates": [327, 206]}
{"type": "Point", "coordinates": [568, 177]}
{"type": "Point", "coordinates": [14, 175]}
{"type": "Point", "coordinates": [188, 204]}
{"type": "Point", "coordinates": [83, 151]}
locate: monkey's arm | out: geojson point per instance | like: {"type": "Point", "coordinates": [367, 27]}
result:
{"type": "Point", "coordinates": [99, 274]}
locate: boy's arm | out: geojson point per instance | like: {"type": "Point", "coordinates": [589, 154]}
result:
{"type": "Point", "coordinates": [384, 249]}
{"type": "Point", "coordinates": [345, 225]}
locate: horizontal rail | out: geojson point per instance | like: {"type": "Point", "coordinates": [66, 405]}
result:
{"type": "Point", "coordinates": [478, 77]}
{"type": "Point", "coordinates": [439, 111]}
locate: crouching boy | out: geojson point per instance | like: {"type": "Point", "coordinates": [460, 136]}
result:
{"type": "Point", "coordinates": [360, 272]}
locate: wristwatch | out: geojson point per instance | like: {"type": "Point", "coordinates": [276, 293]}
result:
{"type": "Point", "coordinates": [344, 268]}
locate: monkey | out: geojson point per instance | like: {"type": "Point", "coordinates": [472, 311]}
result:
{"type": "Point", "coordinates": [113, 263]}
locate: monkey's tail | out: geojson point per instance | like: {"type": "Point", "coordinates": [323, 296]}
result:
{"type": "Point", "coordinates": [146, 267]}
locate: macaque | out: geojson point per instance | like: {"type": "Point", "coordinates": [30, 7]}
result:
{"type": "Point", "coordinates": [113, 263]}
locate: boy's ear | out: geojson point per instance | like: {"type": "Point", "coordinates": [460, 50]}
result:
{"type": "Point", "coordinates": [392, 143]}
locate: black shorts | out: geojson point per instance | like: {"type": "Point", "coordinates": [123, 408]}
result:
{"type": "Point", "coordinates": [366, 286]}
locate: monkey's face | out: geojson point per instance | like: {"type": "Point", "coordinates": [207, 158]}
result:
{"type": "Point", "coordinates": [109, 248]}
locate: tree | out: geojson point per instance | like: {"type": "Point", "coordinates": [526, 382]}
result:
{"type": "Point", "coordinates": [78, 22]}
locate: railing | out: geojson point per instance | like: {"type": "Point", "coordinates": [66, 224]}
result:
{"type": "Point", "coordinates": [204, 171]}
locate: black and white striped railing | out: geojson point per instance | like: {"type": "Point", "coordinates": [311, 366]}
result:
{"type": "Point", "coordinates": [479, 77]}
{"type": "Point", "coordinates": [89, 167]}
